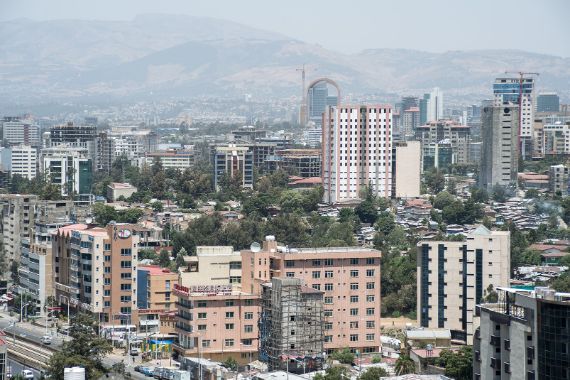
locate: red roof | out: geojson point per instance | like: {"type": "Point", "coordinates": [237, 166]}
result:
{"type": "Point", "coordinates": [307, 181]}
{"type": "Point", "coordinates": [155, 270]}
{"type": "Point", "coordinates": [545, 247]}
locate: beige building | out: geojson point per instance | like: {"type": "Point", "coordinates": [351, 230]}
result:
{"type": "Point", "coordinates": [155, 300]}
{"type": "Point", "coordinates": [116, 190]}
{"type": "Point", "coordinates": [213, 266]}
{"type": "Point", "coordinates": [454, 276]}
{"type": "Point", "coordinates": [406, 169]}
{"type": "Point", "coordinates": [95, 270]}
{"type": "Point", "coordinates": [17, 213]}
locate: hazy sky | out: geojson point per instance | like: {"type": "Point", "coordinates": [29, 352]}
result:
{"type": "Point", "coordinates": [350, 26]}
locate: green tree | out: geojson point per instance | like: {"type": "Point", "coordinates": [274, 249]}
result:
{"type": "Point", "coordinates": [367, 211]}
{"type": "Point", "coordinates": [404, 365]}
{"type": "Point", "coordinates": [164, 259]}
{"type": "Point", "coordinates": [333, 373]}
{"type": "Point", "coordinates": [344, 356]}
{"type": "Point", "coordinates": [373, 373]}
{"type": "Point", "coordinates": [499, 193]}
{"type": "Point", "coordinates": [457, 364]}
{"type": "Point", "coordinates": [562, 283]}
{"type": "Point", "coordinates": [157, 206]}
{"type": "Point", "coordinates": [434, 180]}
{"type": "Point", "coordinates": [479, 195]}
{"type": "Point", "coordinates": [230, 363]}
{"type": "Point", "coordinates": [442, 200]}
{"type": "Point", "coordinates": [85, 349]}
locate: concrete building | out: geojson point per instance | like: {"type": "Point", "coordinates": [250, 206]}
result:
{"type": "Point", "coordinates": [357, 152]}
{"type": "Point", "coordinates": [500, 155]}
{"type": "Point", "coordinates": [233, 161]}
{"type": "Point", "coordinates": [76, 136]}
{"type": "Point", "coordinates": [20, 160]}
{"type": "Point", "coordinates": [69, 168]}
{"type": "Point", "coordinates": [291, 326]}
{"type": "Point", "coordinates": [449, 132]}
{"type": "Point", "coordinates": [95, 270]}
{"type": "Point", "coordinates": [506, 93]}
{"type": "Point", "coordinates": [556, 135]}
{"type": "Point", "coordinates": [349, 277]}
{"type": "Point", "coordinates": [524, 335]}
{"type": "Point", "coordinates": [155, 299]}
{"type": "Point", "coordinates": [312, 137]}
{"type": "Point", "coordinates": [475, 149]}
{"type": "Point", "coordinates": [434, 105]}
{"type": "Point", "coordinates": [454, 276]}
{"type": "Point", "coordinates": [423, 106]}
{"type": "Point", "coordinates": [20, 132]}
{"type": "Point", "coordinates": [558, 180]}
{"type": "Point", "coordinates": [304, 163]}
{"type": "Point", "coordinates": [171, 158]}
{"type": "Point", "coordinates": [115, 190]}
{"type": "Point", "coordinates": [213, 266]}
{"type": "Point", "coordinates": [410, 121]}
{"type": "Point", "coordinates": [247, 133]}
{"type": "Point", "coordinates": [17, 212]}
{"type": "Point", "coordinates": [319, 99]}
{"type": "Point", "coordinates": [406, 169]}
{"type": "Point", "coordinates": [547, 102]}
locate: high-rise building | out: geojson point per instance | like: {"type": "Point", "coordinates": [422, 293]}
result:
{"type": "Point", "coordinates": [547, 102]}
{"type": "Point", "coordinates": [17, 212]}
{"type": "Point", "coordinates": [406, 169]}
{"type": "Point", "coordinates": [454, 276]}
{"type": "Point", "coordinates": [20, 132]}
{"type": "Point", "coordinates": [523, 335]}
{"type": "Point", "coordinates": [76, 136]}
{"type": "Point", "coordinates": [507, 92]}
{"type": "Point", "coordinates": [96, 270]}
{"type": "Point", "coordinates": [171, 158]}
{"type": "Point", "coordinates": [69, 168]}
{"type": "Point", "coordinates": [357, 152]}
{"type": "Point", "coordinates": [304, 163]}
{"type": "Point", "coordinates": [19, 160]}
{"type": "Point", "coordinates": [409, 102]}
{"type": "Point", "coordinates": [319, 99]}
{"type": "Point", "coordinates": [410, 121]}
{"type": "Point", "coordinates": [558, 180]}
{"type": "Point", "coordinates": [437, 136]}
{"type": "Point", "coordinates": [291, 325]}
{"type": "Point", "coordinates": [423, 106]}
{"type": "Point", "coordinates": [233, 161]}
{"type": "Point", "coordinates": [499, 155]}
{"type": "Point", "coordinates": [556, 135]}
{"type": "Point", "coordinates": [435, 105]}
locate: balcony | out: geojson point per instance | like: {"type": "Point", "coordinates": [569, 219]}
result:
{"type": "Point", "coordinates": [496, 341]}
{"type": "Point", "coordinates": [184, 327]}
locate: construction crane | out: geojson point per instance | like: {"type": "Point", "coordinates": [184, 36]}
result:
{"type": "Point", "coordinates": [521, 75]}
{"type": "Point", "coordinates": [303, 109]}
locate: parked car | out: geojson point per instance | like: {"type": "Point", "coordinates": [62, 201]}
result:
{"type": "Point", "coordinates": [27, 374]}
{"type": "Point", "coordinates": [46, 339]}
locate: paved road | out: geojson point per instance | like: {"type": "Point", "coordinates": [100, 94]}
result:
{"type": "Point", "coordinates": [18, 367]}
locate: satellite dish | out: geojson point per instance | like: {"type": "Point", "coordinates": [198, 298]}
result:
{"type": "Point", "coordinates": [88, 220]}
{"type": "Point", "coordinates": [255, 247]}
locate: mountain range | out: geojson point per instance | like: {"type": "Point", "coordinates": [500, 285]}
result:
{"type": "Point", "coordinates": [184, 56]}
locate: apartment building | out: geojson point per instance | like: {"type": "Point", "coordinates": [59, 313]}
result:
{"type": "Point", "coordinates": [180, 159]}
{"type": "Point", "coordinates": [357, 152]}
{"type": "Point", "coordinates": [348, 276]}
{"type": "Point", "coordinates": [155, 299]}
{"type": "Point", "coordinates": [233, 161]}
{"type": "Point", "coordinates": [69, 168]}
{"type": "Point", "coordinates": [115, 190]}
{"type": "Point", "coordinates": [20, 160]}
{"type": "Point", "coordinates": [454, 276]}
{"type": "Point", "coordinates": [524, 335]}
{"type": "Point", "coordinates": [558, 177]}
{"type": "Point", "coordinates": [17, 213]}
{"type": "Point", "coordinates": [406, 169]}
{"type": "Point", "coordinates": [434, 133]}
{"type": "Point", "coordinates": [95, 270]}
{"type": "Point", "coordinates": [20, 132]}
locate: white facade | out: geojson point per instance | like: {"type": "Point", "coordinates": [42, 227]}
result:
{"type": "Point", "coordinates": [17, 132]}
{"type": "Point", "coordinates": [357, 152]}
{"type": "Point", "coordinates": [62, 166]}
{"type": "Point", "coordinates": [20, 160]}
{"type": "Point", "coordinates": [435, 105]}
{"type": "Point", "coordinates": [406, 169]}
{"type": "Point", "coordinates": [172, 158]}
{"type": "Point", "coordinates": [507, 90]}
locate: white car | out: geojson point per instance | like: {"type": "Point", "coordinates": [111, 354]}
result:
{"type": "Point", "coordinates": [27, 374]}
{"type": "Point", "coordinates": [46, 339]}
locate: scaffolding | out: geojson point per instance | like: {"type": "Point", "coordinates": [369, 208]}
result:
{"type": "Point", "coordinates": [291, 326]}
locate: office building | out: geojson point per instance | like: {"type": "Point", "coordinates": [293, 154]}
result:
{"type": "Point", "coordinates": [423, 106]}
{"type": "Point", "coordinates": [443, 142]}
{"type": "Point", "coordinates": [233, 161]}
{"type": "Point", "coordinates": [357, 152]}
{"type": "Point", "coordinates": [105, 152]}
{"type": "Point", "coordinates": [434, 105]}
{"type": "Point", "coordinates": [132, 142]}
{"type": "Point", "coordinates": [69, 168]}
{"type": "Point", "coordinates": [410, 121]}
{"type": "Point", "coordinates": [71, 135]}
{"type": "Point", "coordinates": [19, 160]}
{"type": "Point", "coordinates": [291, 326]}
{"type": "Point", "coordinates": [180, 159]}
{"type": "Point", "coordinates": [556, 135]}
{"type": "Point", "coordinates": [475, 149]}
{"type": "Point", "coordinates": [319, 99]}
{"type": "Point", "coordinates": [348, 276]}
{"type": "Point", "coordinates": [548, 102]}
{"type": "Point", "coordinates": [20, 132]}
{"type": "Point", "coordinates": [499, 155]}
{"type": "Point", "coordinates": [406, 169]}
{"type": "Point", "coordinates": [558, 180]}
{"type": "Point", "coordinates": [17, 213]}
{"type": "Point", "coordinates": [523, 335]}
{"type": "Point", "coordinates": [247, 134]}
{"type": "Point", "coordinates": [304, 163]}
{"type": "Point", "coordinates": [454, 276]}
{"type": "Point", "coordinates": [408, 102]}
{"type": "Point", "coordinates": [156, 302]}
{"type": "Point", "coordinates": [507, 92]}
{"type": "Point", "coordinates": [95, 270]}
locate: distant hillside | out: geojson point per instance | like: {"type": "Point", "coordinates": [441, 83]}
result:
{"type": "Point", "coordinates": [188, 56]}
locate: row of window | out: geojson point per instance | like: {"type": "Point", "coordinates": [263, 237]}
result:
{"type": "Point", "coordinates": [330, 262]}
{"type": "Point", "coordinates": [353, 325]}
{"type": "Point", "coordinates": [353, 338]}
{"type": "Point", "coordinates": [227, 342]}
{"type": "Point", "coordinates": [330, 287]}
{"type": "Point", "coordinates": [229, 303]}
{"type": "Point", "coordinates": [353, 273]}
{"type": "Point", "coordinates": [353, 311]}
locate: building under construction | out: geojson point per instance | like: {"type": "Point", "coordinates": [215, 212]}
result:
{"type": "Point", "coordinates": [291, 326]}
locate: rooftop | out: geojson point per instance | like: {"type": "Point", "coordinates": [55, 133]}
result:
{"type": "Point", "coordinates": [155, 270]}
{"type": "Point", "coordinates": [121, 185]}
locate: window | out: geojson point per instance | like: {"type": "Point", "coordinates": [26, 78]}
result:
{"type": "Point", "coordinates": [316, 263]}
{"type": "Point", "coordinates": [246, 342]}
{"type": "Point", "coordinates": [369, 285]}
{"type": "Point", "coordinates": [354, 325]}
{"type": "Point", "coordinates": [167, 284]}
{"type": "Point", "coordinates": [126, 252]}
{"type": "Point", "coordinates": [235, 280]}
{"type": "Point", "coordinates": [125, 286]}
{"type": "Point", "coordinates": [235, 265]}
{"type": "Point", "coordinates": [370, 324]}
{"type": "Point", "coordinates": [328, 338]}
{"type": "Point", "coordinates": [328, 300]}
{"type": "Point", "coordinates": [125, 298]}
{"type": "Point", "coordinates": [201, 327]}
{"type": "Point", "coordinates": [290, 274]}
{"type": "Point", "coordinates": [328, 326]}
{"type": "Point", "coordinates": [329, 287]}
{"type": "Point", "coordinates": [248, 315]}
{"type": "Point", "coordinates": [229, 342]}
{"type": "Point", "coordinates": [353, 299]}
{"type": "Point", "coordinates": [289, 263]}
{"type": "Point", "coordinates": [229, 326]}
{"type": "Point", "coordinates": [126, 276]}
{"type": "Point", "coordinates": [126, 310]}
{"type": "Point", "coordinates": [369, 337]}
{"type": "Point", "coordinates": [370, 298]}
{"type": "Point", "coordinates": [229, 314]}
{"type": "Point", "coordinates": [202, 315]}
{"type": "Point", "coordinates": [107, 281]}
{"type": "Point", "coordinates": [369, 311]}
{"type": "Point", "coordinates": [126, 264]}
{"type": "Point", "coordinates": [353, 261]}
{"type": "Point", "coordinates": [370, 261]}
{"type": "Point", "coordinates": [229, 303]}
{"type": "Point", "coordinates": [354, 311]}
{"type": "Point", "coordinates": [107, 293]}
{"type": "Point", "coordinates": [328, 274]}
{"type": "Point", "coordinates": [107, 304]}
{"type": "Point", "coordinates": [327, 313]}
{"type": "Point", "coordinates": [316, 274]}
{"type": "Point", "coordinates": [107, 270]}
{"type": "Point", "coordinates": [201, 304]}
{"type": "Point", "coordinates": [107, 258]}
{"type": "Point", "coordinates": [248, 328]}
{"type": "Point", "coordinates": [353, 273]}
{"type": "Point", "coordinates": [354, 286]}
{"type": "Point", "coordinates": [316, 286]}
{"type": "Point", "coordinates": [369, 272]}
{"type": "Point", "coordinates": [354, 337]}
{"type": "Point", "coordinates": [107, 247]}
{"type": "Point", "coordinates": [206, 343]}
{"type": "Point", "coordinates": [248, 302]}
{"type": "Point", "coordinates": [329, 262]}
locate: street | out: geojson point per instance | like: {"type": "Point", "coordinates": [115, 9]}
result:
{"type": "Point", "coordinates": [18, 367]}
